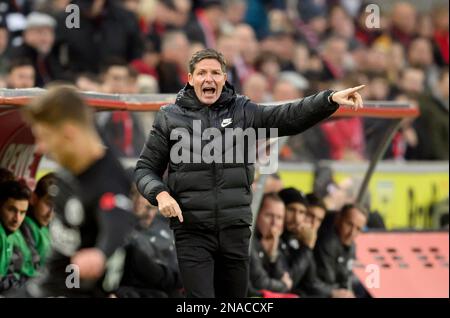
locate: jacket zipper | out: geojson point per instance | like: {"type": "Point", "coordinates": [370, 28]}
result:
{"type": "Point", "coordinates": [214, 168]}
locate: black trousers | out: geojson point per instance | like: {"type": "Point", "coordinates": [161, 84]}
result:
{"type": "Point", "coordinates": [214, 263]}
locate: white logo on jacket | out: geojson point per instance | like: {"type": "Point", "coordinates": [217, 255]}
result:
{"type": "Point", "coordinates": [226, 122]}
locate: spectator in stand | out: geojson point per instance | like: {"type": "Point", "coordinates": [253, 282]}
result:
{"type": "Point", "coordinates": [268, 64]}
{"type": "Point", "coordinates": [441, 34]}
{"type": "Point", "coordinates": [171, 69]}
{"type": "Point", "coordinates": [21, 74]}
{"type": "Point", "coordinates": [432, 126]}
{"type": "Point", "coordinates": [119, 129]}
{"type": "Point", "coordinates": [205, 23]}
{"type": "Point", "coordinates": [377, 59]}
{"type": "Point", "coordinates": [106, 30]}
{"type": "Point", "coordinates": [150, 58]}
{"type": "Point", "coordinates": [38, 40]}
{"type": "Point", "coordinates": [420, 55]}
{"type": "Point", "coordinates": [425, 28]}
{"type": "Point", "coordinates": [256, 87]}
{"type": "Point", "coordinates": [235, 11]}
{"type": "Point", "coordinates": [289, 86]}
{"type": "Point", "coordinates": [403, 23]}
{"type": "Point", "coordinates": [228, 45]}
{"type": "Point", "coordinates": [14, 13]}
{"type": "Point", "coordinates": [282, 44]}
{"type": "Point", "coordinates": [341, 24]}
{"type": "Point", "coordinates": [248, 49]}
{"type": "Point", "coordinates": [374, 128]}
{"type": "Point", "coordinates": [334, 53]}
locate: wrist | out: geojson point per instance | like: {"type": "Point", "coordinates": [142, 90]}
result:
{"type": "Point", "coordinates": [161, 195]}
{"type": "Point", "coordinates": [330, 97]}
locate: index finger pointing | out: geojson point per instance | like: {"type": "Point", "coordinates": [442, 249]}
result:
{"type": "Point", "coordinates": [357, 88]}
{"type": "Point", "coordinates": [179, 214]}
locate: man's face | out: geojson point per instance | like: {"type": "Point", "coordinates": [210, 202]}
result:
{"type": "Point", "coordinates": [315, 216]}
{"type": "Point", "coordinates": [116, 80]}
{"type": "Point", "coordinates": [413, 81]}
{"type": "Point", "coordinates": [350, 226]}
{"type": "Point", "coordinates": [21, 77]}
{"type": "Point", "coordinates": [208, 80]}
{"type": "Point", "coordinates": [40, 38]}
{"type": "Point", "coordinates": [271, 218]}
{"type": "Point", "coordinates": [295, 216]}
{"type": "Point", "coordinates": [43, 209]}
{"type": "Point", "coordinates": [12, 213]}
{"type": "Point", "coordinates": [53, 142]}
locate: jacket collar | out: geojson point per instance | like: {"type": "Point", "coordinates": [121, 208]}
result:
{"type": "Point", "coordinates": [187, 98]}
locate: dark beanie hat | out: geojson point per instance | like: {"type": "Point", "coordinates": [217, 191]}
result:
{"type": "Point", "coordinates": [292, 195]}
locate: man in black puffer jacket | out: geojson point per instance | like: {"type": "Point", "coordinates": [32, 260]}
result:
{"type": "Point", "coordinates": [209, 201]}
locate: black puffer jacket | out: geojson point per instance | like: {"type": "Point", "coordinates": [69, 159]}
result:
{"type": "Point", "coordinates": [216, 195]}
{"type": "Point", "coordinates": [334, 260]}
{"type": "Point", "coordinates": [265, 273]}
{"type": "Point", "coordinates": [302, 268]}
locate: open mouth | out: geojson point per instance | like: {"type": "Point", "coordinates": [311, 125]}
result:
{"type": "Point", "coordinates": [209, 91]}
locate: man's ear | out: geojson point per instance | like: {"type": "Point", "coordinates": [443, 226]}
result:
{"type": "Point", "coordinates": [225, 75]}
{"type": "Point", "coordinates": [191, 79]}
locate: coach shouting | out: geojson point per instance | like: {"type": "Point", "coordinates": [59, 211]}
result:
{"type": "Point", "coordinates": [209, 202]}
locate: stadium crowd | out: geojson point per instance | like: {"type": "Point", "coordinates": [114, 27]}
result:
{"type": "Point", "coordinates": [275, 50]}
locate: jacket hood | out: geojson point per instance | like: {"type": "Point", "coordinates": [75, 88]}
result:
{"type": "Point", "coordinates": [187, 98]}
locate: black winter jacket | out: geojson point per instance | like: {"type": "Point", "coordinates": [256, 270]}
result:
{"type": "Point", "coordinates": [265, 274]}
{"type": "Point", "coordinates": [334, 260]}
{"type": "Point", "coordinates": [303, 268]}
{"type": "Point", "coordinates": [216, 195]}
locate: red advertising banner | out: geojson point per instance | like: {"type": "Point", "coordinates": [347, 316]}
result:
{"type": "Point", "coordinates": [403, 264]}
{"type": "Point", "coordinates": [17, 149]}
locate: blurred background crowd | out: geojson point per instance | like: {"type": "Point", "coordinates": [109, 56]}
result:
{"type": "Point", "coordinates": [275, 50]}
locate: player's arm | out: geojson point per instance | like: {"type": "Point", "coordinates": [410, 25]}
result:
{"type": "Point", "coordinates": [115, 222]}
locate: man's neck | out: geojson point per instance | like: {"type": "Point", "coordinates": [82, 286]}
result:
{"type": "Point", "coordinates": [92, 150]}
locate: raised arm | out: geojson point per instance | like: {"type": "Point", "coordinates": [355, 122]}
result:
{"type": "Point", "coordinates": [297, 116]}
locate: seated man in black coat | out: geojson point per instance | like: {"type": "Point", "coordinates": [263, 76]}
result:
{"type": "Point", "coordinates": [335, 249]}
{"type": "Point", "coordinates": [268, 267]}
{"type": "Point", "coordinates": [151, 267]}
{"type": "Point", "coordinates": [299, 237]}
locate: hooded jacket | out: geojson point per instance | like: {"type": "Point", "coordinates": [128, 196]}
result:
{"type": "Point", "coordinates": [215, 195]}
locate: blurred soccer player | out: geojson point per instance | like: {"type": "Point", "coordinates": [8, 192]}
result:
{"type": "Point", "coordinates": [92, 217]}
